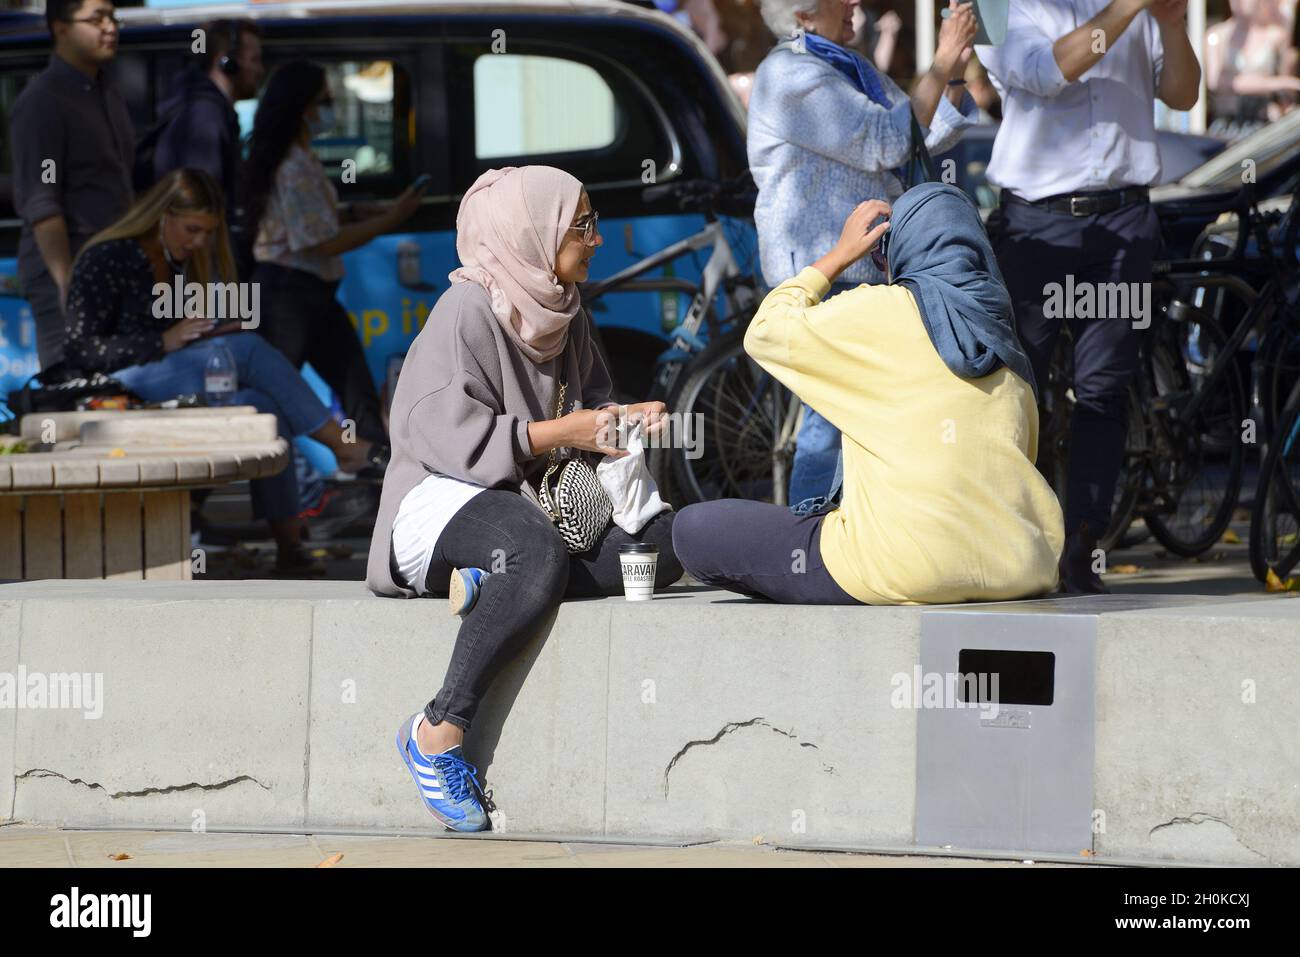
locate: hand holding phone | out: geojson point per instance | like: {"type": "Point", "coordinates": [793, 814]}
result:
{"type": "Point", "coordinates": [991, 17]}
{"type": "Point", "coordinates": [226, 328]}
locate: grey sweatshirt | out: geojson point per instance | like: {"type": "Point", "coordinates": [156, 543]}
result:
{"type": "Point", "coordinates": [462, 406]}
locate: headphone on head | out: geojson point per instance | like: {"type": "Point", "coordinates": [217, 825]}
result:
{"type": "Point", "coordinates": [229, 62]}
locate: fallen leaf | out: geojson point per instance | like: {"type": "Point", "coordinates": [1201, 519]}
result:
{"type": "Point", "coordinates": [117, 454]}
{"type": "Point", "coordinates": [119, 857]}
{"type": "Point", "coordinates": [1125, 569]}
{"type": "Point", "coordinates": [331, 860]}
{"type": "Point", "coordinates": [1230, 538]}
{"type": "Point", "coordinates": [1274, 584]}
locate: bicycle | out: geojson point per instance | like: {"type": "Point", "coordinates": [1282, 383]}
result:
{"type": "Point", "coordinates": [1275, 517]}
{"type": "Point", "coordinates": [751, 422]}
{"type": "Point", "coordinates": [1184, 455]}
{"type": "Point", "coordinates": [724, 299]}
{"type": "Point", "coordinates": [721, 278]}
{"type": "Point", "coordinates": [1194, 401]}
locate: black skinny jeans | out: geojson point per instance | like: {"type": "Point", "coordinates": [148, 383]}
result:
{"type": "Point", "coordinates": [496, 527]}
{"type": "Point", "coordinates": [302, 317]}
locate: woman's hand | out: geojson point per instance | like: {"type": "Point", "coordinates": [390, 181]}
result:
{"type": "Point", "coordinates": [654, 414]}
{"type": "Point", "coordinates": [404, 206]}
{"type": "Point", "coordinates": [186, 331]}
{"type": "Point", "coordinates": [857, 238]}
{"type": "Point", "coordinates": [953, 51]}
{"type": "Point", "coordinates": [593, 430]}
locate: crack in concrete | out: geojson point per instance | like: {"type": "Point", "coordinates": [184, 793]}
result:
{"type": "Point", "coordinates": [728, 729]}
{"type": "Point", "coordinates": [169, 789]}
{"type": "Point", "coordinates": [1200, 817]}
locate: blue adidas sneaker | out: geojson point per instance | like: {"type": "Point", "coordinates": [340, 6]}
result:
{"type": "Point", "coordinates": [464, 588]}
{"type": "Point", "coordinates": [447, 783]}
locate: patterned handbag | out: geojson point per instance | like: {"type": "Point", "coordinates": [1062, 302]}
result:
{"type": "Point", "coordinates": [577, 503]}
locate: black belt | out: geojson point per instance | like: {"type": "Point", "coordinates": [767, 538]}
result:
{"type": "Point", "coordinates": [1083, 204]}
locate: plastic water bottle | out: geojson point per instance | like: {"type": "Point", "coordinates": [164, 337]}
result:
{"type": "Point", "coordinates": [220, 378]}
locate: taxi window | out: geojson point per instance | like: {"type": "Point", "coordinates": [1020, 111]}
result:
{"type": "Point", "coordinates": [539, 105]}
{"type": "Point", "coordinates": [553, 103]}
{"type": "Point", "coordinates": [364, 96]}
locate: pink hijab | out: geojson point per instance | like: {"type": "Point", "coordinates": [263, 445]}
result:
{"type": "Point", "coordinates": [509, 228]}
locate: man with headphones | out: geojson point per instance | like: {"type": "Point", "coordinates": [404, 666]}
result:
{"type": "Point", "coordinates": [198, 126]}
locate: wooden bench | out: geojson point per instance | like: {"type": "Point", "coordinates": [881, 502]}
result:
{"type": "Point", "coordinates": [111, 497]}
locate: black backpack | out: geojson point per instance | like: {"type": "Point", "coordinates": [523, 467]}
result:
{"type": "Point", "coordinates": [142, 174]}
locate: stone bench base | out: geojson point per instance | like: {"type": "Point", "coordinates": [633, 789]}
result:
{"type": "Point", "coordinates": [699, 715]}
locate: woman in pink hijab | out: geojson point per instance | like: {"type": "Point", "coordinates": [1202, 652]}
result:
{"type": "Point", "coordinates": [472, 426]}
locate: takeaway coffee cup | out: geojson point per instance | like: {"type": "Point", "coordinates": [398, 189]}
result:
{"type": "Point", "coordinates": [638, 560]}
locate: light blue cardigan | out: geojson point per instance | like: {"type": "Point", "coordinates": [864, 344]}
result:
{"type": "Point", "coordinates": [817, 147]}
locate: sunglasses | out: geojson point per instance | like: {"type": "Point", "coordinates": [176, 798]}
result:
{"type": "Point", "coordinates": [588, 229]}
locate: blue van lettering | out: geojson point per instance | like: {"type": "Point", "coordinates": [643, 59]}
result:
{"type": "Point", "coordinates": [374, 323]}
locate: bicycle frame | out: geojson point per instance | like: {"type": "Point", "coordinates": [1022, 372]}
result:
{"type": "Point", "coordinates": [720, 268]}
{"type": "Point", "coordinates": [1253, 321]}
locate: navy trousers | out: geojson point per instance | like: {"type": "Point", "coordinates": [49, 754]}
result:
{"type": "Point", "coordinates": [1036, 248]}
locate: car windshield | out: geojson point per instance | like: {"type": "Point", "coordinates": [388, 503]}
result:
{"type": "Point", "coordinates": [1266, 148]}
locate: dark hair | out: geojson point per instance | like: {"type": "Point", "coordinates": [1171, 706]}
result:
{"type": "Point", "coordinates": [218, 34]}
{"type": "Point", "coordinates": [56, 10]}
{"type": "Point", "coordinates": [276, 126]}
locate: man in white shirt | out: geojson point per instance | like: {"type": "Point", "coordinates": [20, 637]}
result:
{"type": "Point", "coordinates": [1074, 157]}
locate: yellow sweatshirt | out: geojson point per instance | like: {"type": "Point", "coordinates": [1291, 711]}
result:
{"type": "Point", "coordinates": [941, 502]}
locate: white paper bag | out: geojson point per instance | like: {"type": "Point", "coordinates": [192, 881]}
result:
{"type": "Point", "coordinates": [628, 483]}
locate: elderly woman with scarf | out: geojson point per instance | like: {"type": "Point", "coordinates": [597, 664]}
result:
{"type": "Point", "coordinates": [934, 396]}
{"type": "Point", "coordinates": [472, 423]}
{"type": "Point", "coordinates": [827, 131]}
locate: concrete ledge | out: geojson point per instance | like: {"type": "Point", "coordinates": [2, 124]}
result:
{"type": "Point", "coordinates": [1198, 732]}
{"type": "Point", "coordinates": [702, 714]}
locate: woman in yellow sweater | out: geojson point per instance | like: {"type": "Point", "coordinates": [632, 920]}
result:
{"type": "Point", "coordinates": [935, 398]}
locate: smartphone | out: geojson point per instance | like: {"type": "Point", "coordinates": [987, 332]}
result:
{"type": "Point", "coordinates": [421, 181]}
{"type": "Point", "coordinates": [223, 329]}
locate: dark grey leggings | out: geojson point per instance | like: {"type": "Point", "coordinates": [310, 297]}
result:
{"type": "Point", "coordinates": [757, 549]}
{"type": "Point", "coordinates": [501, 529]}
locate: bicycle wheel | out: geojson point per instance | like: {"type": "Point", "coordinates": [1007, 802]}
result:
{"type": "Point", "coordinates": [733, 412]}
{"type": "Point", "coordinates": [1196, 465]}
{"type": "Point", "coordinates": [1128, 484]}
{"type": "Point", "coordinates": [1275, 519]}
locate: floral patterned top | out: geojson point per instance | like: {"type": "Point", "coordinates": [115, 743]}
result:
{"type": "Point", "coordinates": [302, 211]}
{"type": "Point", "coordinates": [110, 316]}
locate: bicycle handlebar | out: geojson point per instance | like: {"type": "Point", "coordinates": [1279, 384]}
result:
{"type": "Point", "coordinates": [707, 196]}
